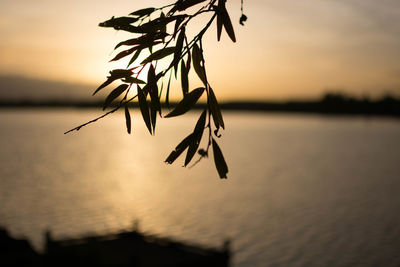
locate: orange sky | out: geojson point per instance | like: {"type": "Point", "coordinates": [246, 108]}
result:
{"type": "Point", "coordinates": [287, 49]}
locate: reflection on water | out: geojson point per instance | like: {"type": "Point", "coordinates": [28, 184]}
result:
{"type": "Point", "coordinates": [301, 191]}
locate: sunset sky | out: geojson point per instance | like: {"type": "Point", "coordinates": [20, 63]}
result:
{"type": "Point", "coordinates": [287, 49]}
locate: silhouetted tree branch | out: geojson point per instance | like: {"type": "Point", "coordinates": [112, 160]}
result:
{"type": "Point", "coordinates": [152, 29]}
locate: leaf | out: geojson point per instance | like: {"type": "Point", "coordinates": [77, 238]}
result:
{"type": "Point", "coordinates": [145, 40]}
{"type": "Point", "coordinates": [184, 78]}
{"type": "Point", "coordinates": [219, 160]}
{"type": "Point", "coordinates": [179, 149]}
{"type": "Point", "coordinates": [184, 4]}
{"type": "Point", "coordinates": [156, 24]}
{"type": "Point", "coordinates": [114, 94]}
{"type": "Point", "coordinates": [177, 24]}
{"type": "Point", "coordinates": [134, 57]}
{"type": "Point", "coordinates": [197, 134]}
{"type": "Point", "coordinates": [186, 103]}
{"type": "Point", "coordinates": [144, 108]}
{"type": "Point", "coordinates": [114, 75]}
{"type": "Point", "coordinates": [215, 110]}
{"type": "Point", "coordinates": [123, 54]}
{"type": "Point", "coordinates": [143, 12]}
{"type": "Point", "coordinates": [159, 54]}
{"type": "Point", "coordinates": [179, 45]}
{"type": "Point", "coordinates": [223, 14]}
{"type": "Point", "coordinates": [167, 94]}
{"type": "Point", "coordinates": [219, 23]}
{"type": "Point", "coordinates": [197, 60]}
{"type": "Point", "coordinates": [133, 80]}
{"type": "Point", "coordinates": [127, 119]}
{"type": "Point", "coordinates": [153, 90]}
{"type": "Point", "coordinates": [118, 22]}
{"type": "Point", "coordinates": [242, 19]}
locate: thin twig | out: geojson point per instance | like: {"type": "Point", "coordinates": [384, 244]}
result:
{"type": "Point", "coordinates": [100, 117]}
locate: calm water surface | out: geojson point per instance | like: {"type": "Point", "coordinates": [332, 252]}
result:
{"type": "Point", "coordinates": [302, 190]}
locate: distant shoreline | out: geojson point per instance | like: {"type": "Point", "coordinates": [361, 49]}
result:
{"type": "Point", "coordinates": [329, 104]}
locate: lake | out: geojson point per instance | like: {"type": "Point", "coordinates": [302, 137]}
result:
{"type": "Point", "coordinates": [302, 190]}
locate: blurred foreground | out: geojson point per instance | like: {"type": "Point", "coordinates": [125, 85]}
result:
{"type": "Point", "coordinates": [123, 249]}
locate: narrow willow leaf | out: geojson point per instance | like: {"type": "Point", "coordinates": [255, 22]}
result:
{"type": "Point", "coordinates": [124, 54]}
{"type": "Point", "coordinates": [177, 24]}
{"type": "Point", "coordinates": [186, 103]}
{"type": "Point", "coordinates": [159, 54]}
{"type": "Point", "coordinates": [133, 80]}
{"type": "Point", "coordinates": [184, 78]}
{"type": "Point", "coordinates": [227, 23]}
{"type": "Point", "coordinates": [219, 160]}
{"type": "Point", "coordinates": [114, 94]}
{"type": "Point", "coordinates": [143, 12]}
{"type": "Point", "coordinates": [114, 75]}
{"type": "Point", "coordinates": [127, 119]}
{"type": "Point", "coordinates": [118, 22]}
{"type": "Point", "coordinates": [153, 90]}
{"type": "Point", "coordinates": [179, 149]}
{"type": "Point", "coordinates": [179, 45]}
{"type": "Point", "coordinates": [145, 40]}
{"type": "Point", "coordinates": [107, 82]}
{"type": "Point", "coordinates": [189, 57]}
{"type": "Point", "coordinates": [157, 24]}
{"type": "Point", "coordinates": [134, 57]}
{"type": "Point", "coordinates": [197, 63]}
{"type": "Point", "coordinates": [167, 94]}
{"type": "Point", "coordinates": [144, 108]}
{"type": "Point", "coordinates": [219, 25]}
{"type": "Point", "coordinates": [215, 110]}
{"type": "Point", "coordinates": [153, 116]}
{"type": "Point", "coordinates": [197, 134]}
{"type": "Point", "coordinates": [182, 5]}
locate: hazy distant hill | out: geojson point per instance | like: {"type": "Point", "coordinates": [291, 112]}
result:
{"type": "Point", "coordinates": [17, 88]}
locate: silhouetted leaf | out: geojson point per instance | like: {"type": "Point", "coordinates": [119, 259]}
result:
{"type": "Point", "coordinates": [144, 108]}
{"type": "Point", "coordinates": [153, 91]}
{"type": "Point", "coordinates": [242, 19]}
{"type": "Point", "coordinates": [118, 22]}
{"type": "Point", "coordinates": [197, 134]}
{"type": "Point", "coordinates": [184, 78]}
{"type": "Point", "coordinates": [167, 94]}
{"type": "Point", "coordinates": [184, 4]}
{"type": "Point", "coordinates": [114, 75]}
{"type": "Point", "coordinates": [215, 110]}
{"type": "Point", "coordinates": [114, 94]}
{"type": "Point", "coordinates": [187, 103]}
{"type": "Point", "coordinates": [189, 57]}
{"type": "Point", "coordinates": [197, 63]}
{"type": "Point", "coordinates": [219, 25]}
{"type": "Point", "coordinates": [179, 45]}
{"type": "Point", "coordinates": [157, 24]}
{"type": "Point", "coordinates": [133, 80]}
{"type": "Point", "coordinates": [159, 54]}
{"type": "Point", "coordinates": [223, 14]}
{"type": "Point", "coordinates": [127, 119]}
{"type": "Point", "coordinates": [145, 40]}
{"type": "Point", "coordinates": [177, 24]}
{"type": "Point", "coordinates": [179, 149]}
{"type": "Point", "coordinates": [134, 57]}
{"type": "Point", "coordinates": [143, 12]}
{"type": "Point", "coordinates": [123, 54]}
{"type": "Point", "coordinates": [219, 160]}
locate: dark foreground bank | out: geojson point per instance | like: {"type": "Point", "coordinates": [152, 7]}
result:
{"type": "Point", "coordinates": [121, 249]}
